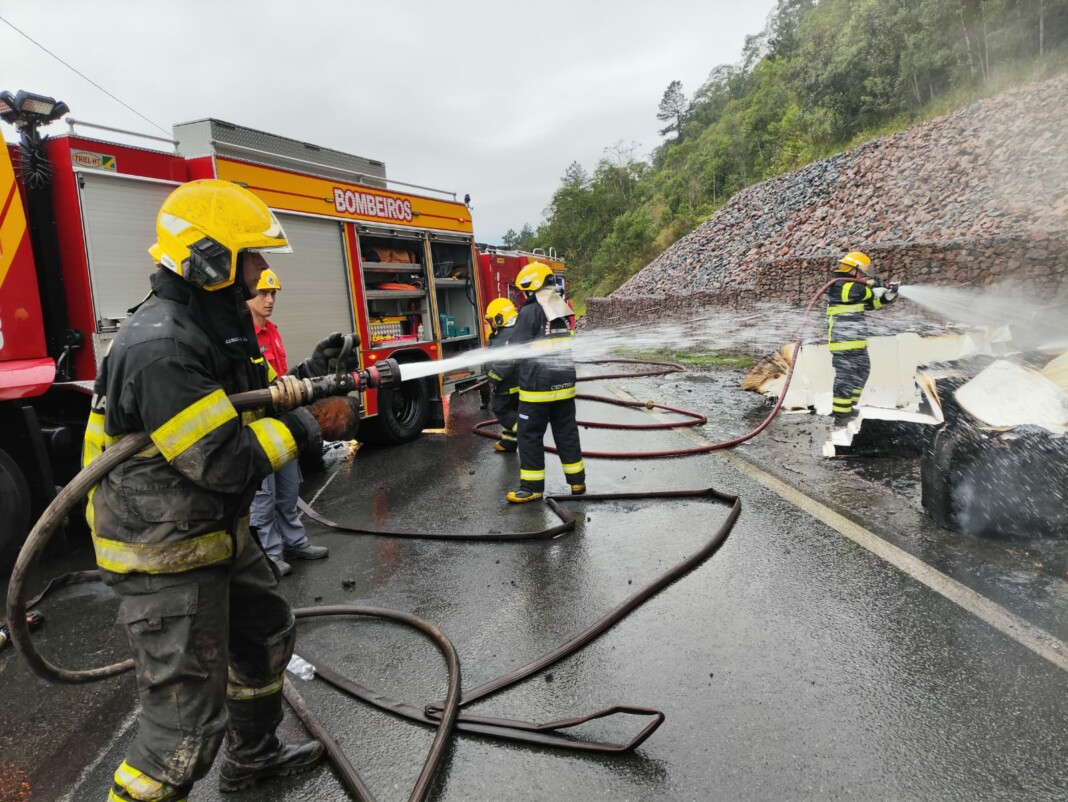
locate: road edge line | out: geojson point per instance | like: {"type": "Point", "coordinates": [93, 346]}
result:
{"type": "Point", "coordinates": [1031, 637]}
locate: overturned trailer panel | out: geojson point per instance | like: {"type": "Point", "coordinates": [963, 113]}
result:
{"type": "Point", "coordinates": [994, 441]}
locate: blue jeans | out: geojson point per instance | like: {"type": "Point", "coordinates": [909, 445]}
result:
{"type": "Point", "coordinates": [274, 511]}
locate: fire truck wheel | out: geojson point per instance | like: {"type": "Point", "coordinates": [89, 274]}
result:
{"type": "Point", "coordinates": [15, 502]}
{"type": "Point", "coordinates": [403, 412]}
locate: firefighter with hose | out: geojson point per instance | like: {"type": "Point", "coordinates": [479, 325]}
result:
{"type": "Point", "coordinates": [209, 632]}
{"type": "Point", "coordinates": [501, 315]}
{"type": "Point", "coordinates": [546, 386]}
{"type": "Point", "coordinates": [858, 291]}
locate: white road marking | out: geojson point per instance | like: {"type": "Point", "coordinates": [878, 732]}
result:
{"type": "Point", "coordinates": [128, 722]}
{"type": "Point", "coordinates": [1029, 636]}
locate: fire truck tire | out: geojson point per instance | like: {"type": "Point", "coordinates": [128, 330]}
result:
{"type": "Point", "coordinates": [15, 502]}
{"type": "Point", "coordinates": [403, 412]}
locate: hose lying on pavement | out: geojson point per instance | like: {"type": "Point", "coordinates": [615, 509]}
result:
{"type": "Point", "coordinates": [697, 419]}
{"type": "Point", "coordinates": [550, 733]}
{"type": "Point", "coordinates": [447, 714]}
{"type": "Point", "coordinates": [445, 717]}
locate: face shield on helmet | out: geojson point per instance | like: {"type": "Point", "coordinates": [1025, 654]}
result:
{"type": "Point", "coordinates": [501, 313]}
{"type": "Point", "coordinates": [533, 277]}
{"type": "Point", "coordinates": [268, 281]}
{"type": "Point", "coordinates": [856, 261]}
{"type": "Point", "coordinates": [203, 227]}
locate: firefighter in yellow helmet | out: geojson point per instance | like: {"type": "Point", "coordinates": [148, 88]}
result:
{"type": "Point", "coordinates": [858, 291]}
{"type": "Point", "coordinates": [501, 315]}
{"type": "Point", "coordinates": [209, 632]}
{"type": "Point", "coordinates": [546, 386]}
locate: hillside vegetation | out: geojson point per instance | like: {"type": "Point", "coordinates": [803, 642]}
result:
{"type": "Point", "coordinates": [821, 77]}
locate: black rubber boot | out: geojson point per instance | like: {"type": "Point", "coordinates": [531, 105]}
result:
{"type": "Point", "coordinates": [253, 761]}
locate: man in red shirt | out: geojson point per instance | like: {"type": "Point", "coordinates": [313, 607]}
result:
{"type": "Point", "coordinates": [274, 516]}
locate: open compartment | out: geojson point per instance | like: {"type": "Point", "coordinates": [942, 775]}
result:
{"type": "Point", "coordinates": [455, 293]}
{"type": "Point", "coordinates": [395, 286]}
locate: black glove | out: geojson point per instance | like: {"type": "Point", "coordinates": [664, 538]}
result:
{"type": "Point", "coordinates": [324, 359]}
{"type": "Point", "coordinates": [877, 282]}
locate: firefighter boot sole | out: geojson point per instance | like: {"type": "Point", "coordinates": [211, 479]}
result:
{"type": "Point", "coordinates": [522, 496]}
{"type": "Point", "coordinates": [290, 759]}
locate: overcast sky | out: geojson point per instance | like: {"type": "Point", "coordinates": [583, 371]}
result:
{"type": "Point", "coordinates": [487, 97]}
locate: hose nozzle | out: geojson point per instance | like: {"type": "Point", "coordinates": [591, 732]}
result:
{"type": "Point", "coordinates": [385, 374]}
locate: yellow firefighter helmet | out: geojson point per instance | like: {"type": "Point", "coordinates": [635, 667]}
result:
{"type": "Point", "coordinates": [855, 260]}
{"type": "Point", "coordinates": [269, 281]}
{"type": "Point", "coordinates": [203, 226]}
{"type": "Point", "coordinates": [501, 312]}
{"type": "Point", "coordinates": [532, 277]}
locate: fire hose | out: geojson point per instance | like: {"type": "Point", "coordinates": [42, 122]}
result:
{"type": "Point", "coordinates": [695, 419]}
{"type": "Point", "coordinates": [289, 392]}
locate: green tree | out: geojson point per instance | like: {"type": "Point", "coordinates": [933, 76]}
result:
{"type": "Point", "coordinates": [673, 108]}
{"type": "Point", "coordinates": [819, 74]}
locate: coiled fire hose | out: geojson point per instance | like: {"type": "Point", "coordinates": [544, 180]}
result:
{"type": "Point", "coordinates": [445, 716]}
{"type": "Point", "coordinates": [695, 419]}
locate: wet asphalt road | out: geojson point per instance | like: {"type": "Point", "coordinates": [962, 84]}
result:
{"type": "Point", "coordinates": [795, 664]}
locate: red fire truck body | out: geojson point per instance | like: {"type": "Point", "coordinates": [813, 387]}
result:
{"type": "Point", "coordinates": [397, 267]}
{"type": "Point", "coordinates": [499, 268]}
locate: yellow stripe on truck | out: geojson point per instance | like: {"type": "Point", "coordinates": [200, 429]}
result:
{"type": "Point", "coordinates": [13, 222]}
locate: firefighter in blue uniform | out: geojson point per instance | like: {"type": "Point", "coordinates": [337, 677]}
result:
{"type": "Point", "coordinates": [858, 291]}
{"type": "Point", "coordinates": [209, 633]}
{"type": "Point", "coordinates": [546, 386]}
{"type": "Point", "coordinates": [501, 316]}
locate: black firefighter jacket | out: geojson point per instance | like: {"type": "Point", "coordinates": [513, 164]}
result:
{"type": "Point", "coordinates": [550, 375]}
{"type": "Point", "coordinates": [180, 503]}
{"type": "Point", "coordinates": [847, 301]}
{"type": "Point", "coordinates": [502, 372]}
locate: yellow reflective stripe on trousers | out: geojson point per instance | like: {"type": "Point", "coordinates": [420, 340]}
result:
{"type": "Point", "coordinates": [193, 423]}
{"type": "Point", "coordinates": [276, 441]}
{"type": "Point", "coordinates": [546, 396]}
{"type": "Point", "coordinates": [236, 689]}
{"type": "Point", "coordinates": [531, 476]}
{"type": "Point", "coordinates": [162, 558]}
{"type": "Point", "coordinates": [573, 467]}
{"type": "Point", "coordinates": [847, 345]}
{"type": "Point", "coordinates": [139, 785]}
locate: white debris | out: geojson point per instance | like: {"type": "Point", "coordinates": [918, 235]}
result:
{"type": "Point", "coordinates": [1005, 395]}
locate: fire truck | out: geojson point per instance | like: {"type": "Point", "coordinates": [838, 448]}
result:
{"type": "Point", "coordinates": [395, 263]}
{"type": "Point", "coordinates": [499, 268]}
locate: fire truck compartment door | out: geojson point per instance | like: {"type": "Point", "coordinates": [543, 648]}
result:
{"type": "Point", "coordinates": [119, 216]}
{"type": "Point", "coordinates": [315, 298]}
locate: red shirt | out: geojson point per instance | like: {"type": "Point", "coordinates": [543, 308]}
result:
{"type": "Point", "coordinates": [271, 346]}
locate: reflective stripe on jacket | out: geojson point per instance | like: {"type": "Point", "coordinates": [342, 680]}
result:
{"type": "Point", "coordinates": [549, 377]}
{"type": "Point", "coordinates": [180, 503]}
{"type": "Point", "coordinates": [848, 300]}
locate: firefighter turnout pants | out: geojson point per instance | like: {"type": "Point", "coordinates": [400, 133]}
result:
{"type": "Point", "coordinates": [534, 419]}
{"type": "Point", "coordinates": [505, 408]}
{"type": "Point", "coordinates": [851, 369]}
{"type": "Point", "coordinates": [210, 647]}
